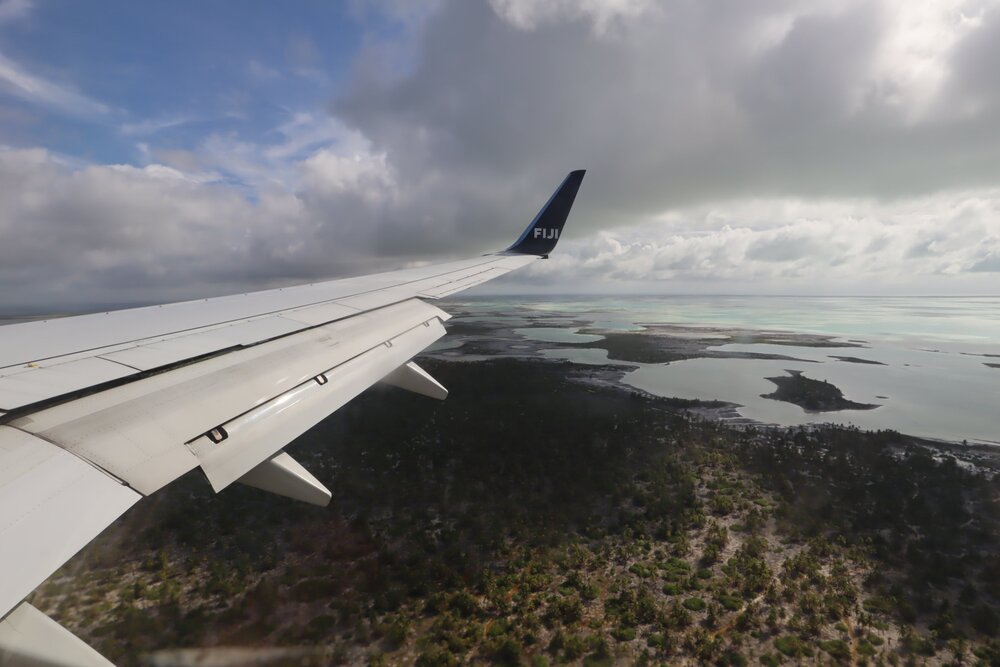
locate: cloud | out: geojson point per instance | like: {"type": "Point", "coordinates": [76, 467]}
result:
{"type": "Point", "coordinates": [690, 102]}
{"type": "Point", "coordinates": [112, 234]}
{"type": "Point", "coordinates": [529, 14]}
{"type": "Point", "coordinates": [846, 246]}
{"type": "Point", "coordinates": [988, 264]}
{"type": "Point", "coordinates": [275, 159]}
{"type": "Point", "coordinates": [16, 81]}
{"type": "Point", "coordinates": [767, 145]}
{"type": "Point", "coordinates": [150, 126]}
{"type": "Point", "coordinates": [78, 235]}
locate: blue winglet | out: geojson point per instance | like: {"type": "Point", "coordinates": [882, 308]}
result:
{"type": "Point", "coordinates": [543, 233]}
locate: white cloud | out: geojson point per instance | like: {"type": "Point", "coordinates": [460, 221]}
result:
{"type": "Point", "coordinates": [927, 244]}
{"type": "Point", "coordinates": [276, 161]}
{"type": "Point", "coordinates": [911, 65]}
{"type": "Point", "coordinates": [149, 126]}
{"type": "Point", "coordinates": [306, 130]}
{"type": "Point", "coordinates": [119, 233]}
{"type": "Point", "coordinates": [367, 175]}
{"type": "Point", "coordinates": [529, 14]}
{"type": "Point", "coordinates": [16, 81]}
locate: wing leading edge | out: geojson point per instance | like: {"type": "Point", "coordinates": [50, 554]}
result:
{"type": "Point", "coordinates": [97, 411]}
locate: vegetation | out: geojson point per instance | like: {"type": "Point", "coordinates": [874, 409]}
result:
{"type": "Point", "coordinates": [552, 520]}
{"type": "Point", "coordinates": [812, 395]}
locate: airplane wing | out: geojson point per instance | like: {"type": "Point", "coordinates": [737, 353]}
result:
{"type": "Point", "coordinates": [100, 410]}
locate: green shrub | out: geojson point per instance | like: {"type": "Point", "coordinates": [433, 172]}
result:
{"type": "Point", "coordinates": [574, 647]}
{"type": "Point", "coordinates": [985, 620]}
{"type": "Point", "coordinates": [730, 602]}
{"type": "Point", "coordinates": [878, 604]}
{"type": "Point", "coordinates": [791, 646]}
{"type": "Point", "coordinates": [436, 656]}
{"type": "Point", "coordinates": [695, 604]}
{"type": "Point", "coordinates": [836, 647]}
{"type": "Point", "coordinates": [395, 633]}
{"type": "Point", "coordinates": [505, 650]}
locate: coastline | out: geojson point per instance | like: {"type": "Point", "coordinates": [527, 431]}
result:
{"type": "Point", "coordinates": [493, 332]}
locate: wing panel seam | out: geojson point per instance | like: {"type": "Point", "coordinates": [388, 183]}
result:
{"type": "Point", "coordinates": [253, 317]}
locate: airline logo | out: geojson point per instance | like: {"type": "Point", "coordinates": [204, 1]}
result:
{"type": "Point", "coordinates": [548, 234]}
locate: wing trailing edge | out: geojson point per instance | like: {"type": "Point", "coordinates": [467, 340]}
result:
{"type": "Point", "coordinates": [30, 638]}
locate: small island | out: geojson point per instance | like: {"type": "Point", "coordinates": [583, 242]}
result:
{"type": "Point", "coordinates": [812, 395]}
{"type": "Point", "coordinates": [856, 360]}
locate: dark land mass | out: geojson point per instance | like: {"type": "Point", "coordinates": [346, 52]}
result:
{"type": "Point", "coordinates": [657, 347]}
{"type": "Point", "coordinates": [722, 335]}
{"type": "Point", "coordinates": [461, 328]}
{"type": "Point", "coordinates": [642, 348]}
{"type": "Point", "coordinates": [812, 395]}
{"type": "Point", "coordinates": [540, 517]}
{"type": "Point", "coordinates": [856, 360]}
{"type": "Point", "coordinates": [654, 343]}
{"type": "Point", "coordinates": [991, 365]}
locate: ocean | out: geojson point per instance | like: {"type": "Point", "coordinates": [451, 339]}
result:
{"type": "Point", "coordinates": [935, 368]}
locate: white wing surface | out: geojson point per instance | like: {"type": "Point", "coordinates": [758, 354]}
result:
{"type": "Point", "coordinates": [99, 410]}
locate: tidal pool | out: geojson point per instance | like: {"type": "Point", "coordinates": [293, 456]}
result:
{"type": "Point", "coordinates": [945, 396]}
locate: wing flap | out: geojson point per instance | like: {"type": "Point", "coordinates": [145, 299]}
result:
{"type": "Point", "coordinates": [137, 431]}
{"type": "Point", "coordinates": [51, 505]}
{"type": "Point", "coordinates": [257, 435]}
{"type": "Point", "coordinates": [29, 638]}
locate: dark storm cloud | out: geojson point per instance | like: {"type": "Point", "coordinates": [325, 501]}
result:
{"type": "Point", "coordinates": [685, 103]}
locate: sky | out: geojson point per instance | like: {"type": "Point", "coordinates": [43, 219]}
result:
{"type": "Point", "coordinates": [153, 152]}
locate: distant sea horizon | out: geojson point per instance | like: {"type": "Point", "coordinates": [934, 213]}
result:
{"type": "Point", "coordinates": [933, 362]}
{"type": "Point", "coordinates": [66, 309]}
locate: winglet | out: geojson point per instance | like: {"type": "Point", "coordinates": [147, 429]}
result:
{"type": "Point", "coordinates": [543, 233]}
